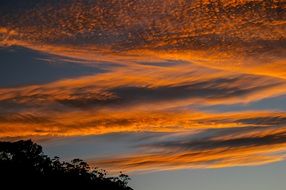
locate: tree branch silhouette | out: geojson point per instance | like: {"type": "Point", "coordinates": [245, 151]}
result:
{"type": "Point", "coordinates": [24, 164]}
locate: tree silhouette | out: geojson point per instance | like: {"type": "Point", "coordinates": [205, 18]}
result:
{"type": "Point", "coordinates": [23, 164]}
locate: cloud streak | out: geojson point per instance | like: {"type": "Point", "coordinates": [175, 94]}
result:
{"type": "Point", "coordinates": [215, 149]}
{"type": "Point", "coordinates": [130, 87]}
{"type": "Point", "coordinates": [80, 123]}
{"type": "Point", "coordinates": [227, 35]}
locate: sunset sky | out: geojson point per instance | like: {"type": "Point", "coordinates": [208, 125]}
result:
{"type": "Point", "coordinates": [179, 94]}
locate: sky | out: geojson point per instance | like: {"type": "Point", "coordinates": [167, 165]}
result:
{"type": "Point", "coordinates": [176, 93]}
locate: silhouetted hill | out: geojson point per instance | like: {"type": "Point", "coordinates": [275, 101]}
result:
{"type": "Point", "coordinates": [23, 164]}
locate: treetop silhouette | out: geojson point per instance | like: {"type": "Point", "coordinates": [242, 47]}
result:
{"type": "Point", "coordinates": [23, 164]}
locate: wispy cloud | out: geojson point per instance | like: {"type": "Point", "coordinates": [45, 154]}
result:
{"type": "Point", "coordinates": [121, 101]}
{"type": "Point", "coordinates": [244, 35]}
{"type": "Point", "coordinates": [209, 149]}
{"type": "Point", "coordinates": [181, 85]}
{"type": "Point", "coordinates": [94, 122]}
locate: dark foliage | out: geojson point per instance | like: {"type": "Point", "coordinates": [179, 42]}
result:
{"type": "Point", "coordinates": [23, 164]}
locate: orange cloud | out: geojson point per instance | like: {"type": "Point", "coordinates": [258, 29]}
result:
{"type": "Point", "coordinates": [92, 122]}
{"type": "Point", "coordinates": [217, 158]}
{"type": "Point", "coordinates": [121, 100]}
{"type": "Point", "coordinates": [246, 36]}
{"type": "Point", "coordinates": [138, 87]}
{"type": "Point", "coordinates": [251, 149]}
